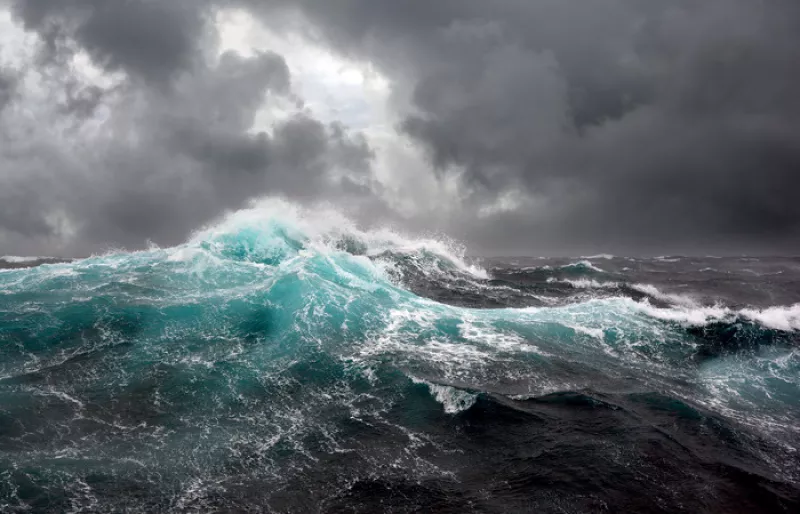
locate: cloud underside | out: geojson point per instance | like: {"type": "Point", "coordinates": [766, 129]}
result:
{"type": "Point", "coordinates": [542, 126]}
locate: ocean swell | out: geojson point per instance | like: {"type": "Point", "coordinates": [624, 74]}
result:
{"type": "Point", "coordinates": [281, 337]}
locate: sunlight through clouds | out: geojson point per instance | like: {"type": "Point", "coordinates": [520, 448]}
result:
{"type": "Point", "coordinates": [333, 88]}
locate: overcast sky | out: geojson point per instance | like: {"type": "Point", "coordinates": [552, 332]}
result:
{"type": "Point", "coordinates": [539, 127]}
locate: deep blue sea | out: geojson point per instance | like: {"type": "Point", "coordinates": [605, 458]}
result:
{"type": "Point", "coordinates": [285, 361]}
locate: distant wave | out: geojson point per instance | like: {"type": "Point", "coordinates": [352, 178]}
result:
{"type": "Point", "coordinates": [689, 311]}
{"type": "Point", "coordinates": [15, 259]}
{"type": "Point", "coordinates": [584, 283]}
{"type": "Point", "coordinates": [656, 293]}
{"type": "Point", "coordinates": [782, 318]}
{"type": "Point", "coordinates": [582, 265]}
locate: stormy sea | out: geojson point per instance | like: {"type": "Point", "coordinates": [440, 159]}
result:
{"type": "Point", "coordinates": [284, 360]}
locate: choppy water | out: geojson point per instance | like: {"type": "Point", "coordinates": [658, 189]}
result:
{"type": "Point", "coordinates": [284, 361]}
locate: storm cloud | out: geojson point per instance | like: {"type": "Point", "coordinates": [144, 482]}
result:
{"type": "Point", "coordinates": [165, 146]}
{"type": "Point", "coordinates": [549, 126]}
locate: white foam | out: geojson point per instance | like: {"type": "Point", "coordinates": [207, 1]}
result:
{"type": "Point", "coordinates": [779, 318]}
{"type": "Point", "coordinates": [656, 293]}
{"type": "Point", "coordinates": [484, 333]}
{"type": "Point", "coordinates": [606, 256]}
{"type": "Point", "coordinates": [403, 334]}
{"type": "Point", "coordinates": [596, 333]}
{"type": "Point", "coordinates": [453, 400]}
{"type": "Point", "coordinates": [536, 268]}
{"type": "Point", "coordinates": [689, 316]}
{"type": "Point", "coordinates": [584, 283]}
{"type": "Point", "coordinates": [783, 318]}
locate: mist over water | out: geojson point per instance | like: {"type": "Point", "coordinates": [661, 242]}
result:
{"type": "Point", "coordinates": [284, 360]}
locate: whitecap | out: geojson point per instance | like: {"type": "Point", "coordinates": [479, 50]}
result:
{"type": "Point", "coordinates": [582, 264]}
{"type": "Point", "coordinates": [656, 293]}
{"type": "Point", "coordinates": [786, 319]}
{"type": "Point", "coordinates": [16, 259]}
{"type": "Point", "coordinates": [452, 399]}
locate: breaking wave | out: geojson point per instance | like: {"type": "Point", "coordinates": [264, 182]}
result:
{"type": "Point", "coordinates": [584, 265]}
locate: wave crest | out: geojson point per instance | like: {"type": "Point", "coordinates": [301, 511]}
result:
{"type": "Point", "coordinates": [272, 231]}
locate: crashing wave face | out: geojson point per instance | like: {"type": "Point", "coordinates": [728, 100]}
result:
{"type": "Point", "coordinates": [282, 347]}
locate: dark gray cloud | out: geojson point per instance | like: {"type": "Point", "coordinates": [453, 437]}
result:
{"type": "Point", "coordinates": [150, 39]}
{"type": "Point", "coordinates": [643, 124]}
{"type": "Point", "coordinates": [612, 125]}
{"type": "Point", "coordinates": [8, 86]}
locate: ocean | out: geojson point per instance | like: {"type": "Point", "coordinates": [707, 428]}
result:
{"type": "Point", "coordinates": [284, 360]}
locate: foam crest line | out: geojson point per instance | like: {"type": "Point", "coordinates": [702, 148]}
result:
{"type": "Point", "coordinates": [274, 234]}
{"type": "Point", "coordinates": [271, 228]}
